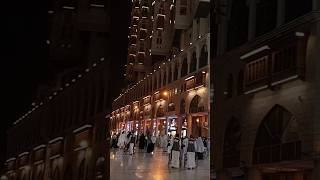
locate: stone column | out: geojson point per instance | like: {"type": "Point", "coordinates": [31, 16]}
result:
{"type": "Point", "coordinates": [252, 19]}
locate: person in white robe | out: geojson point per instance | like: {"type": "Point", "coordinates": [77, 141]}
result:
{"type": "Point", "coordinates": [165, 143]}
{"type": "Point", "coordinates": [131, 144]}
{"type": "Point", "coordinates": [121, 141]}
{"type": "Point", "coordinates": [175, 152]}
{"type": "Point", "coordinates": [184, 151]}
{"type": "Point", "coordinates": [199, 148]}
{"type": "Point", "coordinates": [191, 154]}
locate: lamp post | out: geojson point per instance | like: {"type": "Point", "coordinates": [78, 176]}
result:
{"type": "Point", "coordinates": [165, 93]}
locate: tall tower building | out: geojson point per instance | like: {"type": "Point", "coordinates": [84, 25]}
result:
{"type": "Point", "coordinates": [151, 30]}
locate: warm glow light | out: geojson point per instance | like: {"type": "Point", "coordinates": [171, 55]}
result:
{"type": "Point", "coordinates": [164, 122]}
{"type": "Point", "coordinates": [165, 93]}
{"type": "Point", "coordinates": [197, 120]}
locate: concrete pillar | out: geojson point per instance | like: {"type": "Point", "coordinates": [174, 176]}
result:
{"type": "Point", "coordinates": [254, 174]}
{"type": "Point", "coordinates": [198, 51]}
{"type": "Point", "coordinates": [281, 12]}
{"type": "Point", "coordinates": [252, 19]}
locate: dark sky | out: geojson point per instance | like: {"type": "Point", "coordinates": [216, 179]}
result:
{"type": "Point", "coordinates": [23, 55]}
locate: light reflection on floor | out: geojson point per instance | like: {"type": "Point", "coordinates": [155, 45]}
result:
{"type": "Point", "coordinates": [152, 167]}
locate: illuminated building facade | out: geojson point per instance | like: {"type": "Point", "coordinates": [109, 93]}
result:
{"type": "Point", "coordinates": [266, 90]}
{"type": "Point", "coordinates": [173, 97]}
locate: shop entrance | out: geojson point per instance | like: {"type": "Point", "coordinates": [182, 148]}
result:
{"type": "Point", "coordinates": [172, 126]}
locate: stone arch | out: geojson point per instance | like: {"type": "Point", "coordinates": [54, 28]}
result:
{"type": "Point", "coordinates": [232, 142]}
{"type": "Point", "coordinates": [277, 137]}
{"type": "Point", "coordinates": [194, 104]}
{"type": "Point", "coordinates": [203, 56]}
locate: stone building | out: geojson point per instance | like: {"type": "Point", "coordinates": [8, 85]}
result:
{"type": "Point", "coordinates": [266, 90]}
{"type": "Point", "coordinates": [63, 135]}
{"type": "Point", "coordinates": [173, 97]}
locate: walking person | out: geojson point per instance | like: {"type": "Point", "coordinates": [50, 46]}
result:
{"type": "Point", "coordinates": [184, 145]}
{"type": "Point", "coordinates": [191, 153]}
{"type": "Point", "coordinates": [175, 152]}
{"type": "Point", "coordinates": [141, 141]}
{"type": "Point", "coordinates": [132, 144]}
{"type": "Point", "coordinates": [199, 148]}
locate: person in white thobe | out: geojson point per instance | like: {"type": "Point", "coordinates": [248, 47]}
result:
{"type": "Point", "coordinates": [131, 144]}
{"type": "Point", "coordinates": [191, 154]}
{"type": "Point", "coordinates": [165, 143]}
{"type": "Point", "coordinates": [121, 141]}
{"type": "Point", "coordinates": [199, 147]}
{"type": "Point", "coordinates": [175, 152]}
{"type": "Point", "coordinates": [184, 151]}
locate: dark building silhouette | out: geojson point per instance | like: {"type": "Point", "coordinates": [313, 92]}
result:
{"type": "Point", "coordinates": [265, 101]}
{"type": "Point", "coordinates": [63, 135]}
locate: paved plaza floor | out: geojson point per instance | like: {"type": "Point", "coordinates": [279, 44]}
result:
{"type": "Point", "coordinates": [154, 166]}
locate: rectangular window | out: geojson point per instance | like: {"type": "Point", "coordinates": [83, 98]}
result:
{"type": "Point", "coordinates": [183, 11]}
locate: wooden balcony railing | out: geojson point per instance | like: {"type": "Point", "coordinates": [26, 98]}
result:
{"type": "Point", "coordinates": [271, 68]}
{"type": "Point", "coordinates": [276, 153]}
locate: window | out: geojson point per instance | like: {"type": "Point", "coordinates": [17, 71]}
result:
{"type": "Point", "coordinates": [193, 64]}
{"type": "Point", "coordinates": [183, 11]}
{"type": "Point", "coordinates": [203, 56]}
{"type": "Point", "coordinates": [169, 74]}
{"type": "Point", "coordinates": [184, 69]}
{"type": "Point", "coordinates": [164, 80]}
{"type": "Point", "coordinates": [238, 24]}
{"type": "Point", "coordinates": [266, 16]}
{"type": "Point", "coordinates": [176, 72]}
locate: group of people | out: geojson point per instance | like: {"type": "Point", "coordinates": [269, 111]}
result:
{"type": "Point", "coordinates": [183, 152]}
{"type": "Point", "coordinates": [128, 140]}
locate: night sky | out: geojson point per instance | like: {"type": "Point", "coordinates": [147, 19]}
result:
{"type": "Point", "coordinates": [24, 55]}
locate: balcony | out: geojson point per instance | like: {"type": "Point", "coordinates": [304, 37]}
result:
{"type": "Point", "coordinates": [272, 68]}
{"type": "Point", "coordinates": [197, 81]}
{"type": "Point", "coordinates": [277, 153]}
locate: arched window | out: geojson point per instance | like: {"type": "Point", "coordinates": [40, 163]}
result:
{"type": "Point", "coordinates": [277, 137]}
{"type": "Point", "coordinates": [154, 82]}
{"type": "Point", "coordinates": [238, 24]}
{"type": "Point", "coordinates": [231, 145]}
{"type": "Point", "coordinates": [203, 56]}
{"type": "Point", "coordinates": [296, 8]}
{"type": "Point", "coordinates": [170, 74]}
{"type": "Point", "coordinates": [240, 82]}
{"type": "Point", "coordinates": [176, 72]}
{"type": "Point", "coordinates": [184, 68]}
{"type": "Point", "coordinates": [193, 64]}
{"type": "Point", "coordinates": [229, 90]}
{"type": "Point", "coordinates": [164, 78]}
{"type": "Point", "coordinates": [266, 16]}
